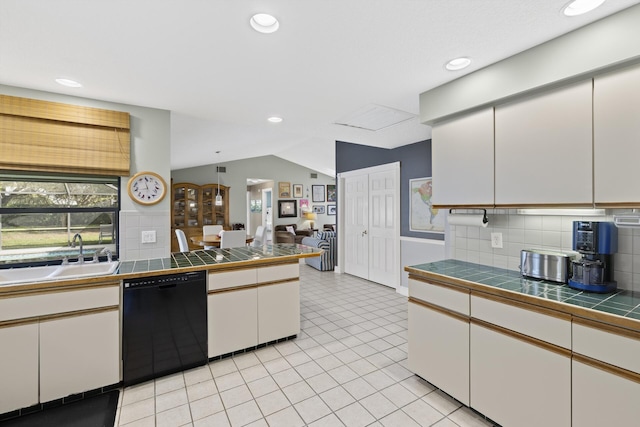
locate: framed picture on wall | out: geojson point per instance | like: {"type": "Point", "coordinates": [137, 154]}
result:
{"type": "Point", "coordinates": [319, 209]}
{"type": "Point", "coordinates": [317, 193]}
{"type": "Point", "coordinates": [422, 215]}
{"type": "Point", "coordinates": [331, 193]}
{"type": "Point", "coordinates": [331, 209]}
{"type": "Point", "coordinates": [284, 189]}
{"type": "Point", "coordinates": [297, 190]}
{"type": "Point", "coordinates": [304, 206]}
{"type": "Point", "coordinates": [287, 208]}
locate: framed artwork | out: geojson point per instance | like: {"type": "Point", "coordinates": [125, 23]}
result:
{"type": "Point", "coordinates": [331, 209]}
{"type": "Point", "coordinates": [284, 189]}
{"type": "Point", "coordinates": [319, 209]}
{"type": "Point", "coordinates": [297, 190]}
{"type": "Point", "coordinates": [287, 208]}
{"type": "Point", "coordinates": [331, 193]}
{"type": "Point", "coordinates": [304, 206]}
{"type": "Point", "coordinates": [423, 217]}
{"type": "Point", "coordinates": [317, 193]}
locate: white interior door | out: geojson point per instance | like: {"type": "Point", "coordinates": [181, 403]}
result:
{"type": "Point", "coordinates": [384, 223]}
{"type": "Point", "coordinates": [356, 226]}
{"type": "Point", "coordinates": [371, 224]}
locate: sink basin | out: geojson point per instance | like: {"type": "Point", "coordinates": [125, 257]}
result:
{"type": "Point", "coordinates": [56, 272]}
{"type": "Point", "coordinates": [82, 270]}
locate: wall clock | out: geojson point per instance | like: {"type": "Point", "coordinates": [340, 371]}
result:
{"type": "Point", "coordinates": [147, 188]}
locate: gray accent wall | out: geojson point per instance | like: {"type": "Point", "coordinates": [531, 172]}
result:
{"type": "Point", "coordinates": [415, 162]}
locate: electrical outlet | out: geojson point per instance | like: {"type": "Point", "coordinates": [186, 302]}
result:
{"type": "Point", "coordinates": [149, 236]}
{"type": "Point", "coordinates": [496, 240]}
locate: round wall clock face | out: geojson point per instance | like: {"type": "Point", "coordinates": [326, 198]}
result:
{"type": "Point", "coordinates": [147, 188]}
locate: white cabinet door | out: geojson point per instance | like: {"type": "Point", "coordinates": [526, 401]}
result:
{"type": "Point", "coordinates": [601, 398]}
{"type": "Point", "coordinates": [616, 126]}
{"type": "Point", "coordinates": [18, 367]}
{"type": "Point", "coordinates": [278, 311]}
{"type": "Point", "coordinates": [543, 148]}
{"type": "Point", "coordinates": [79, 353]}
{"type": "Point", "coordinates": [232, 318]}
{"type": "Point", "coordinates": [439, 350]}
{"type": "Point", "coordinates": [516, 383]}
{"type": "Point", "coordinates": [462, 160]}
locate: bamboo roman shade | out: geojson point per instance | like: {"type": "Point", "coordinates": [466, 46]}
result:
{"type": "Point", "coordinates": [53, 137]}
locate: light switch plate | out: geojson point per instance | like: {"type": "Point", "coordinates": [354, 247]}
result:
{"type": "Point", "coordinates": [496, 240]}
{"type": "Point", "coordinates": [149, 236]}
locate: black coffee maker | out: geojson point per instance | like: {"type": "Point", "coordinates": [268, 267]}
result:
{"type": "Point", "coordinates": [597, 242]}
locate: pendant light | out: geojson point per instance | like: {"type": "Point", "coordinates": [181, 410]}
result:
{"type": "Point", "coordinates": [218, 196]}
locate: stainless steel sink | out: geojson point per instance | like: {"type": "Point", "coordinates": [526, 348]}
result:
{"type": "Point", "coordinates": [56, 272]}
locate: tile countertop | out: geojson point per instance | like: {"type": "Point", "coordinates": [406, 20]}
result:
{"type": "Point", "coordinates": [621, 307]}
{"type": "Point", "coordinates": [178, 262]}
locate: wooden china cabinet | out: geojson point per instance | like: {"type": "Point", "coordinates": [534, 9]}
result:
{"type": "Point", "coordinates": [193, 206]}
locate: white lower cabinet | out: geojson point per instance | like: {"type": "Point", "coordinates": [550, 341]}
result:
{"type": "Point", "coordinates": [278, 311]}
{"type": "Point", "coordinates": [232, 320]}
{"type": "Point", "coordinates": [517, 383]}
{"type": "Point", "coordinates": [79, 353]}
{"type": "Point", "coordinates": [439, 349]}
{"type": "Point", "coordinates": [601, 398]}
{"type": "Point", "coordinates": [18, 367]}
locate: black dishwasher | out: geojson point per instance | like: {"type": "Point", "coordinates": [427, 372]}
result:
{"type": "Point", "coordinates": [164, 325]}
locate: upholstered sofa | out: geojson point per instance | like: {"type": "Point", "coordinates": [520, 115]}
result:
{"type": "Point", "coordinates": [298, 234]}
{"type": "Point", "coordinates": [325, 240]}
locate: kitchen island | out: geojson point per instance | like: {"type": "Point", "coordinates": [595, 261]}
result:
{"type": "Point", "coordinates": [63, 337]}
{"type": "Point", "coordinates": [525, 352]}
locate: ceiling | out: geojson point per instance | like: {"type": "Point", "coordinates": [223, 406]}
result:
{"type": "Point", "coordinates": [221, 80]}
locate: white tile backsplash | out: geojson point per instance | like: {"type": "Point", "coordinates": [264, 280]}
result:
{"type": "Point", "coordinates": [549, 232]}
{"type": "Point", "coordinates": [133, 223]}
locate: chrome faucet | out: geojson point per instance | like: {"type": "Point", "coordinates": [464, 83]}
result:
{"type": "Point", "coordinates": [73, 245]}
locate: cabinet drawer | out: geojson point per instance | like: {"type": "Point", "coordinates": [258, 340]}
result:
{"type": "Point", "coordinates": [545, 325]}
{"type": "Point", "coordinates": [232, 279]}
{"type": "Point", "coordinates": [608, 344]}
{"type": "Point", "coordinates": [278, 272]}
{"type": "Point", "coordinates": [47, 303]}
{"type": "Point", "coordinates": [445, 297]}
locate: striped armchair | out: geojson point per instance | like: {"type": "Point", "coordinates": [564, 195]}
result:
{"type": "Point", "coordinates": [325, 240]}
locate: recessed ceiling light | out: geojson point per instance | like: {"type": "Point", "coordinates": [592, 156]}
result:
{"type": "Point", "coordinates": [264, 23]}
{"type": "Point", "coordinates": [578, 7]}
{"type": "Point", "coordinates": [275, 119]}
{"type": "Point", "coordinates": [458, 64]}
{"type": "Point", "coordinates": [68, 83]}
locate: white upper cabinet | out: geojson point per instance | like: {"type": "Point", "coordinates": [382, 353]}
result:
{"type": "Point", "coordinates": [616, 108]}
{"type": "Point", "coordinates": [543, 148]}
{"type": "Point", "coordinates": [462, 160]}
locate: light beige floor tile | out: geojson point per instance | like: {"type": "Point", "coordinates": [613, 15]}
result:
{"type": "Point", "coordinates": [378, 405]}
{"type": "Point", "coordinates": [286, 348]}
{"type": "Point", "coordinates": [465, 417]}
{"type": "Point", "coordinates": [216, 420]}
{"type": "Point", "coordinates": [260, 423]}
{"type": "Point", "coordinates": [138, 392]}
{"type": "Point", "coordinates": [171, 400]}
{"type": "Point", "coordinates": [423, 413]}
{"type": "Point", "coordinates": [286, 418]}
{"type": "Point", "coordinates": [330, 420]}
{"type": "Point", "coordinates": [246, 360]}
{"type": "Point", "coordinates": [287, 377]}
{"type": "Point", "coordinates": [267, 353]}
{"type": "Point", "coordinates": [200, 390]}
{"type": "Point", "coordinates": [355, 415]}
{"type": "Point", "coordinates": [442, 402]}
{"type": "Point", "coordinates": [322, 382]}
{"type": "Point", "coordinates": [253, 373]}
{"type": "Point", "coordinates": [343, 374]}
{"type": "Point", "coordinates": [222, 367]}
{"type": "Point", "coordinates": [337, 398]}
{"type": "Point", "coordinates": [298, 392]}
{"type": "Point", "coordinates": [399, 419]}
{"type": "Point", "coordinates": [417, 386]}
{"type": "Point", "coordinates": [312, 409]}
{"type": "Point", "coordinates": [378, 380]}
{"type": "Point", "coordinates": [137, 410]}
{"type": "Point", "coordinates": [297, 358]}
{"type": "Point", "coordinates": [149, 421]}
{"type": "Point", "coordinates": [399, 395]}
{"type": "Point", "coordinates": [229, 381]}
{"type": "Point", "coordinates": [309, 369]}
{"type": "Point", "coordinates": [244, 414]}
{"type": "Point", "coordinates": [174, 417]}
{"type": "Point", "coordinates": [362, 367]}
{"type": "Point", "coordinates": [277, 365]}
{"type": "Point", "coordinates": [206, 406]}
{"type": "Point", "coordinates": [262, 386]}
{"type": "Point", "coordinates": [397, 372]}
{"type": "Point", "coordinates": [236, 396]}
{"type": "Point", "coordinates": [329, 362]}
{"type": "Point", "coordinates": [318, 352]}
{"type": "Point", "coordinates": [273, 402]}
{"type": "Point", "coordinates": [197, 375]}
{"type": "Point", "coordinates": [169, 383]}
{"type": "Point", "coordinates": [445, 422]}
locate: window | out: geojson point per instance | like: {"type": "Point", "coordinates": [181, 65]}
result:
{"type": "Point", "coordinates": [41, 214]}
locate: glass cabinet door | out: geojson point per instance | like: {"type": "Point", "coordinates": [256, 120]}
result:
{"type": "Point", "coordinates": [192, 207]}
{"type": "Point", "coordinates": [208, 200]}
{"type": "Point", "coordinates": [179, 203]}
